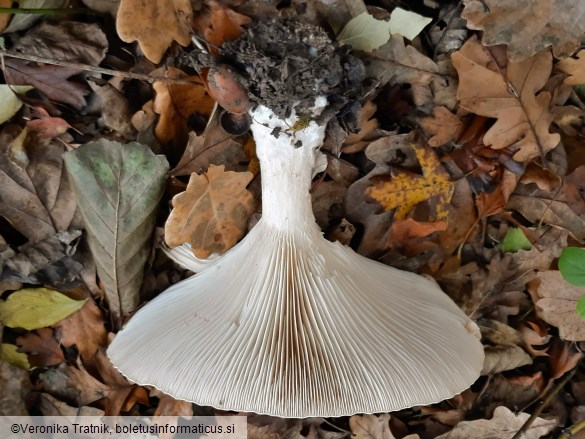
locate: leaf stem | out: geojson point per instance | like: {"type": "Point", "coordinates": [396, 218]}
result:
{"type": "Point", "coordinates": [49, 11]}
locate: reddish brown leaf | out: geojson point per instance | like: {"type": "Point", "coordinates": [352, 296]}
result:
{"type": "Point", "coordinates": [42, 348]}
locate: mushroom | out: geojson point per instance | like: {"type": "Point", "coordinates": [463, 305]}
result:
{"type": "Point", "coordinates": [289, 324]}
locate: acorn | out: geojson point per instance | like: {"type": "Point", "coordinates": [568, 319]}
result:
{"type": "Point", "coordinates": [232, 96]}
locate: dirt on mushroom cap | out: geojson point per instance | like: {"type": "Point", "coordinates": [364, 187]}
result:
{"type": "Point", "coordinates": [286, 61]}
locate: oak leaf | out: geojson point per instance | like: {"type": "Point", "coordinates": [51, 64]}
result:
{"type": "Point", "coordinates": [42, 348]}
{"type": "Point", "coordinates": [523, 114]}
{"type": "Point", "coordinates": [443, 126]}
{"type": "Point", "coordinates": [575, 68]}
{"type": "Point", "coordinates": [528, 26]}
{"type": "Point", "coordinates": [404, 191]}
{"type": "Point", "coordinates": [219, 24]}
{"type": "Point", "coordinates": [212, 214]}
{"type": "Point", "coordinates": [503, 425]}
{"type": "Point", "coordinates": [556, 304]}
{"type": "Point", "coordinates": [175, 103]}
{"type": "Point", "coordinates": [155, 24]}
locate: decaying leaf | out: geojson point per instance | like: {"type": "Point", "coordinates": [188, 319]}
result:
{"type": "Point", "coordinates": [36, 199]}
{"type": "Point", "coordinates": [42, 348]}
{"type": "Point", "coordinates": [575, 68]}
{"type": "Point", "coordinates": [15, 384]}
{"type": "Point", "coordinates": [155, 24]}
{"type": "Point", "coordinates": [503, 425]}
{"type": "Point", "coordinates": [21, 22]}
{"type": "Point", "coordinates": [396, 63]}
{"type": "Point", "coordinates": [502, 358]}
{"type": "Point", "coordinates": [528, 26]}
{"type": "Point", "coordinates": [10, 101]}
{"type": "Point", "coordinates": [33, 308]}
{"type": "Point", "coordinates": [218, 24]}
{"type": "Point", "coordinates": [176, 102]}
{"type": "Point", "coordinates": [118, 188]}
{"type": "Point", "coordinates": [212, 214]}
{"type": "Point", "coordinates": [404, 190]}
{"type": "Point", "coordinates": [557, 305]}
{"type": "Point", "coordinates": [371, 426]}
{"type": "Point", "coordinates": [523, 114]}
{"type": "Point", "coordinates": [443, 127]}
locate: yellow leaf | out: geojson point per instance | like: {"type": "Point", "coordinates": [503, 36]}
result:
{"type": "Point", "coordinates": [404, 190]}
{"type": "Point", "coordinates": [212, 214]}
{"type": "Point", "coordinates": [33, 308]}
{"type": "Point", "coordinates": [10, 354]}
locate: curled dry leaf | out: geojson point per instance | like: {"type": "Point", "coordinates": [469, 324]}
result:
{"type": "Point", "coordinates": [218, 23]}
{"type": "Point", "coordinates": [528, 26]}
{"type": "Point", "coordinates": [523, 114]}
{"type": "Point", "coordinates": [371, 426]}
{"type": "Point", "coordinates": [212, 214]}
{"type": "Point", "coordinates": [155, 24]}
{"type": "Point", "coordinates": [556, 304]}
{"type": "Point", "coordinates": [42, 348]}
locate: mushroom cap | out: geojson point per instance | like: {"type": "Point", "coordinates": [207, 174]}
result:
{"type": "Point", "coordinates": [289, 324]}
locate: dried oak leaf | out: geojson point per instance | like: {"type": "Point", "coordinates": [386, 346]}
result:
{"type": "Point", "coordinates": [404, 190]}
{"type": "Point", "coordinates": [85, 329]}
{"type": "Point", "coordinates": [575, 68]}
{"type": "Point", "coordinates": [556, 304]}
{"type": "Point", "coordinates": [503, 425]}
{"type": "Point", "coordinates": [212, 214]}
{"type": "Point", "coordinates": [155, 24]}
{"type": "Point", "coordinates": [443, 126]}
{"type": "Point", "coordinates": [42, 347]}
{"type": "Point", "coordinates": [218, 23]}
{"type": "Point", "coordinates": [368, 126]}
{"type": "Point", "coordinates": [176, 102]}
{"type": "Point", "coordinates": [523, 116]}
{"type": "Point", "coordinates": [528, 26]}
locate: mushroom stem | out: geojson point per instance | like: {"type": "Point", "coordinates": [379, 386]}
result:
{"type": "Point", "coordinates": [289, 324]}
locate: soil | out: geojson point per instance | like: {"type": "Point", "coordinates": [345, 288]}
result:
{"type": "Point", "coordinates": [282, 62]}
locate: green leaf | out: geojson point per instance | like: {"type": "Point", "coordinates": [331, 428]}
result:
{"type": "Point", "coordinates": [515, 240]}
{"type": "Point", "coordinates": [10, 101]}
{"type": "Point", "coordinates": [572, 265]}
{"type": "Point", "coordinates": [9, 353]}
{"type": "Point", "coordinates": [581, 307]}
{"type": "Point", "coordinates": [118, 188]}
{"type": "Point", "coordinates": [33, 308]}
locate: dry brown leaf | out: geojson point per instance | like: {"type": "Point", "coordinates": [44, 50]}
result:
{"type": "Point", "coordinates": [16, 387]}
{"type": "Point", "coordinates": [368, 126]}
{"type": "Point", "coordinates": [575, 68]}
{"type": "Point", "coordinates": [556, 304]}
{"type": "Point", "coordinates": [176, 102]}
{"type": "Point", "coordinates": [5, 18]}
{"type": "Point", "coordinates": [37, 201]}
{"type": "Point", "coordinates": [155, 24]}
{"type": "Point", "coordinates": [45, 127]}
{"type": "Point", "coordinates": [371, 426]}
{"type": "Point", "coordinates": [218, 24]}
{"type": "Point", "coordinates": [212, 214]}
{"type": "Point", "coordinates": [213, 147]}
{"type": "Point", "coordinates": [85, 329]}
{"type": "Point", "coordinates": [411, 237]}
{"type": "Point", "coordinates": [396, 63]}
{"type": "Point", "coordinates": [502, 358]}
{"type": "Point", "coordinates": [41, 347]}
{"type": "Point", "coordinates": [528, 26]}
{"type": "Point", "coordinates": [503, 425]}
{"type": "Point", "coordinates": [116, 114]}
{"type": "Point", "coordinates": [523, 116]}
{"type": "Point", "coordinates": [404, 191]}
{"type": "Point", "coordinates": [534, 338]}
{"type": "Point", "coordinates": [443, 127]}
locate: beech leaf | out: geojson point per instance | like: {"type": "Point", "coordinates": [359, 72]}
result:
{"type": "Point", "coordinates": [118, 188]}
{"type": "Point", "coordinates": [33, 308]}
{"type": "Point", "coordinates": [212, 214]}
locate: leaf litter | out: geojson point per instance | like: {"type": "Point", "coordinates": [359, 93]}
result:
{"type": "Point", "coordinates": [456, 154]}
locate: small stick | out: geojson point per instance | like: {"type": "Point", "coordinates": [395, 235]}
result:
{"type": "Point", "coordinates": [556, 389]}
{"type": "Point", "coordinates": [87, 67]}
{"type": "Point", "coordinates": [49, 11]}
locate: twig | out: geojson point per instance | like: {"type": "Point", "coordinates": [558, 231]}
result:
{"type": "Point", "coordinates": [556, 389]}
{"type": "Point", "coordinates": [88, 68]}
{"type": "Point", "coordinates": [574, 429]}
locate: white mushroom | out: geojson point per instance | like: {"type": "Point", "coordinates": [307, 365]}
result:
{"type": "Point", "coordinates": [289, 324]}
